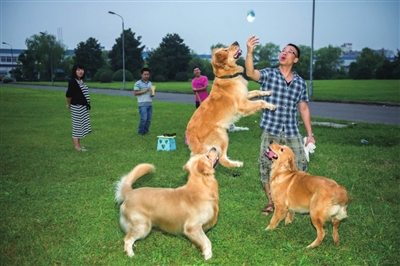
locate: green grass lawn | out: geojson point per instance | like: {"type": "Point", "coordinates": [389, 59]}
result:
{"type": "Point", "coordinates": [57, 204]}
{"type": "Point", "coordinates": [350, 90]}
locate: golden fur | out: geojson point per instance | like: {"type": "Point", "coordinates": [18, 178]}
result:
{"type": "Point", "coordinates": [228, 102]}
{"type": "Point", "coordinates": [296, 191]}
{"type": "Point", "coordinates": [191, 209]}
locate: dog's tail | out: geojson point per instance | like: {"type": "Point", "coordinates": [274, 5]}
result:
{"type": "Point", "coordinates": [342, 200]}
{"type": "Point", "coordinates": [124, 186]}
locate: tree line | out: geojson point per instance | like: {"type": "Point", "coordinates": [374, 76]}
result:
{"type": "Point", "coordinates": [173, 60]}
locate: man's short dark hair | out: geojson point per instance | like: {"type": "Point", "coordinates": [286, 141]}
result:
{"type": "Point", "coordinates": [145, 69]}
{"type": "Point", "coordinates": [196, 67]}
{"type": "Point", "coordinates": [297, 49]}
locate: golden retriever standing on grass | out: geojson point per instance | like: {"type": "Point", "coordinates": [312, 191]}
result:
{"type": "Point", "coordinates": [190, 210]}
{"type": "Point", "coordinates": [226, 104]}
{"type": "Point", "coordinates": [296, 191]}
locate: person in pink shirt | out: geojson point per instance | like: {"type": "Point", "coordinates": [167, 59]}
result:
{"type": "Point", "coordinates": [199, 86]}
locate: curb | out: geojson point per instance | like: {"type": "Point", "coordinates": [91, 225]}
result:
{"type": "Point", "coordinates": [357, 102]}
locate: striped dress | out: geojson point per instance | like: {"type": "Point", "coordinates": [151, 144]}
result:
{"type": "Point", "coordinates": [80, 115]}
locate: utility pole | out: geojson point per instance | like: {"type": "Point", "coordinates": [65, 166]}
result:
{"type": "Point", "coordinates": [123, 48]}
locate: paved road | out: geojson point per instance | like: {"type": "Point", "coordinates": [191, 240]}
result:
{"type": "Point", "coordinates": [343, 111]}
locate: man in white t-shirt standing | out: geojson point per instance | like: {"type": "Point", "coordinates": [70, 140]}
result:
{"type": "Point", "coordinates": [142, 90]}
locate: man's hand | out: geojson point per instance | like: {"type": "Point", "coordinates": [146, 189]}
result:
{"type": "Point", "coordinates": [251, 43]}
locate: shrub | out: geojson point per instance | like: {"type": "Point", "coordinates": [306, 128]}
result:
{"type": "Point", "coordinates": [159, 78]}
{"type": "Point", "coordinates": [7, 80]}
{"type": "Point", "coordinates": [181, 76]}
{"type": "Point", "coordinates": [106, 76]}
{"type": "Point", "coordinates": [118, 76]}
{"type": "Point", "coordinates": [137, 74]}
{"type": "Point", "coordinates": [98, 74]}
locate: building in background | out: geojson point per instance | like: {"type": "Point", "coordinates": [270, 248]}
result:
{"type": "Point", "coordinates": [8, 60]}
{"type": "Point", "coordinates": [348, 55]}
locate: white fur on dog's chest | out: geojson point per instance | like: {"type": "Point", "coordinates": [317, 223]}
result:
{"type": "Point", "coordinates": [299, 210]}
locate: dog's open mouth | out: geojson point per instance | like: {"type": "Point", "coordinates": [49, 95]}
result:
{"type": "Point", "coordinates": [270, 154]}
{"type": "Point", "coordinates": [216, 161]}
{"type": "Point", "coordinates": [237, 54]}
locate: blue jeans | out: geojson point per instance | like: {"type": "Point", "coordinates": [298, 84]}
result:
{"type": "Point", "coordinates": [146, 113]}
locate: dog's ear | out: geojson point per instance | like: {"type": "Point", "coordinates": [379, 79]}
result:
{"type": "Point", "coordinates": [204, 168]}
{"type": "Point", "coordinates": [292, 162]}
{"type": "Point", "coordinates": [219, 58]}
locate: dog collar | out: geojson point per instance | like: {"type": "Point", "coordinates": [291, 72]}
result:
{"type": "Point", "coordinates": [230, 76]}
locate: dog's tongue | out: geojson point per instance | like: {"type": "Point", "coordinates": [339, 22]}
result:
{"type": "Point", "coordinates": [238, 53]}
{"type": "Point", "coordinates": [270, 154]}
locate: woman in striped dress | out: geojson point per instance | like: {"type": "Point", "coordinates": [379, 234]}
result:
{"type": "Point", "coordinates": [78, 101]}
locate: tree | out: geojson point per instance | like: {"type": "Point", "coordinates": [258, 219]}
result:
{"type": "Point", "coordinates": [328, 62]}
{"type": "Point", "coordinates": [157, 63]}
{"type": "Point", "coordinates": [302, 67]}
{"type": "Point", "coordinates": [218, 45]}
{"type": "Point", "coordinates": [17, 73]}
{"type": "Point", "coordinates": [366, 64]}
{"type": "Point", "coordinates": [370, 59]}
{"type": "Point", "coordinates": [388, 69]}
{"type": "Point", "coordinates": [30, 67]}
{"type": "Point", "coordinates": [385, 71]}
{"type": "Point", "coordinates": [43, 53]}
{"type": "Point", "coordinates": [66, 66]}
{"type": "Point", "coordinates": [106, 60]}
{"type": "Point", "coordinates": [195, 61]}
{"type": "Point", "coordinates": [133, 52]}
{"type": "Point", "coordinates": [204, 64]}
{"type": "Point", "coordinates": [267, 53]}
{"type": "Point", "coordinates": [396, 65]}
{"type": "Point", "coordinates": [53, 54]}
{"type": "Point", "coordinates": [89, 54]}
{"type": "Point", "coordinates": [352, 69]}
{"type": "Point", "coordinates": [176, 54]}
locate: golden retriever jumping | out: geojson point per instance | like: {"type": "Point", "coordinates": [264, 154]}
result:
{"type": "Point", "coordinates": [226, 104]}
{"type": "Point", "coordinates": [296, 191]}
{"type": "Point", "coordinates": [190, 210]}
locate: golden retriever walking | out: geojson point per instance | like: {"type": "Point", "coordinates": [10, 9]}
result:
{"type": "Point", "coordinates": [226, 104]}
{"type": "Point", "coordinates": [296, 191]}
{"type": "Point", "coordinates": [190, 210]}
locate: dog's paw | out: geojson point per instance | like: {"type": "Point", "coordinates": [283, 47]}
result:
{"type": "Point", "coordinates": [265, 93]}
{"type": "Point", "coordinates": [128, 249]}
{"type": "Point", "coordinates": [270, 106]}
{"type": "Point", "coordinates": [208, 255]}
{"type": "Point", "coordinates": [239, 164]}
{"type": "Point", "coordinates": [130, 252]}
{"type": "Point", "coordinates": [228, 163]}
{"type": "Point", "coordinates": [270, 227]}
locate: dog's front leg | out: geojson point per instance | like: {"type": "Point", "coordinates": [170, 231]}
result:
{"type": "Point", "coordinates": [199, 238]}
{"type": "Point", "coordinates": [129, 242]}
{"type": "Point", "coordinates": [250, 107]}
{"type": "Point", "coordinates": [279, 214]}
{"type": "Point", "coordinates": [289, 217]}
{"type": "Point", "coordinates": [257, 93]}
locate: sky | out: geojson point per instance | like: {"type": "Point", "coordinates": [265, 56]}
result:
{"type": "Point", "coordinates": [201, 23]}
